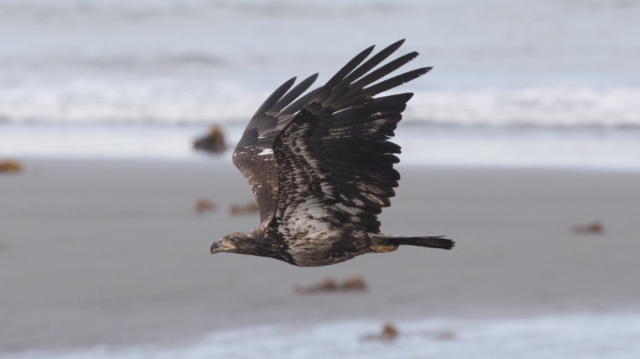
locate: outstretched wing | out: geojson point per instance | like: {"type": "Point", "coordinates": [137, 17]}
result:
{"type": "Point", "coordinates": [334, 158]}
{"type": "Point", "coordinates": [254, 156]}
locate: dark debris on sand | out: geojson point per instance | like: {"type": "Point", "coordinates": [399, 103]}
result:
{"type": "Point", "coordinates": [204, 205]}
{"type": "Point", "coordinates": [10, 166]}
{"type": "Point", "coordinates": [328, 285]}
{"type": "Point", "coordinates": [594, 227]}
{"type": "Point", "coordinates": [213, 142]}
{"type": "Point", "coordinates": [388, 333]}
{"type": "Point", "coordinates": [249, 208]}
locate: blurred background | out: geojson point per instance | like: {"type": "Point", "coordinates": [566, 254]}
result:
{"type": "Point", "coordinates": [522, 144]}
{"type": "Point", "coordinates": [514, 82]}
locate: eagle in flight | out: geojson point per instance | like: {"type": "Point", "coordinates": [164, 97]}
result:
{"type": "Point", "coordinates": [320, 166]}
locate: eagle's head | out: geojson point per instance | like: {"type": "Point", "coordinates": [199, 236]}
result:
{"type": "Point", "coordinates": [238, 242]}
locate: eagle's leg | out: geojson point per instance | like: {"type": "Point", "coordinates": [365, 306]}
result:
{"type": "Point", "coordinates": [383, 248]}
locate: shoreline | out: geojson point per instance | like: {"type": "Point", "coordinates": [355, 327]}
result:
{"type": "Point", "coordinates": [422, 145]}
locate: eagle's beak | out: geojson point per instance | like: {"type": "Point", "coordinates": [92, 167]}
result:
{"type": "Point", "coordinates": [221, 246]}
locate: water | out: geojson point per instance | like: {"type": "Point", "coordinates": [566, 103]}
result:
{"type": "Point", "coordinates": [104, 70]}
{"type": "Point", "coordinates": [562, 336]}
{"type": "Point", "coordinates": [496, 62]}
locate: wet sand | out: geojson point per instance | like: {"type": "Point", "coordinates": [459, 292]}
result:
{"type": "Point", "coordinates": [113, 253]}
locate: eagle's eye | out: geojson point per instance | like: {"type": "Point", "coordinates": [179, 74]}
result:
{"type": "Point", "coordinates": [233, 240]}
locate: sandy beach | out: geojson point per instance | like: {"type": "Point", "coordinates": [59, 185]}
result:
{"type": "Point", "coordinates": [113, 253]}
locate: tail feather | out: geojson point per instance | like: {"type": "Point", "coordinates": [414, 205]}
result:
{"type": "Point", "coordinates": [431, 242]}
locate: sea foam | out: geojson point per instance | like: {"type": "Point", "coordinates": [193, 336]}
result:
{"type": "Point", "coordinates": [177, 102]}
{"type": "Point", "coordinates": [563, 336]}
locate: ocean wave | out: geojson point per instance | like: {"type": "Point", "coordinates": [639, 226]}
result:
{"type": "Point", "coordinates": [550, 63]}
{"type": "Point", "coordinates": [167, 102]}
{"type": "Point", "coordinates": [56, 10]}
{"type": "Point", "coordinates": [173, 62]}
{"type": "Point", "coordinates": [536, 106]}
{"type": "Point", "coordinates": [83, 12]}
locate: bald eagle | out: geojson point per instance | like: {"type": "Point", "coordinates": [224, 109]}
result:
{"type": "Point", "coordinates": [321, 166]}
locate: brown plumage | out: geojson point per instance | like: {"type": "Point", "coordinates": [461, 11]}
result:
{"type": "Point", "coordinates": [321, 166]}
